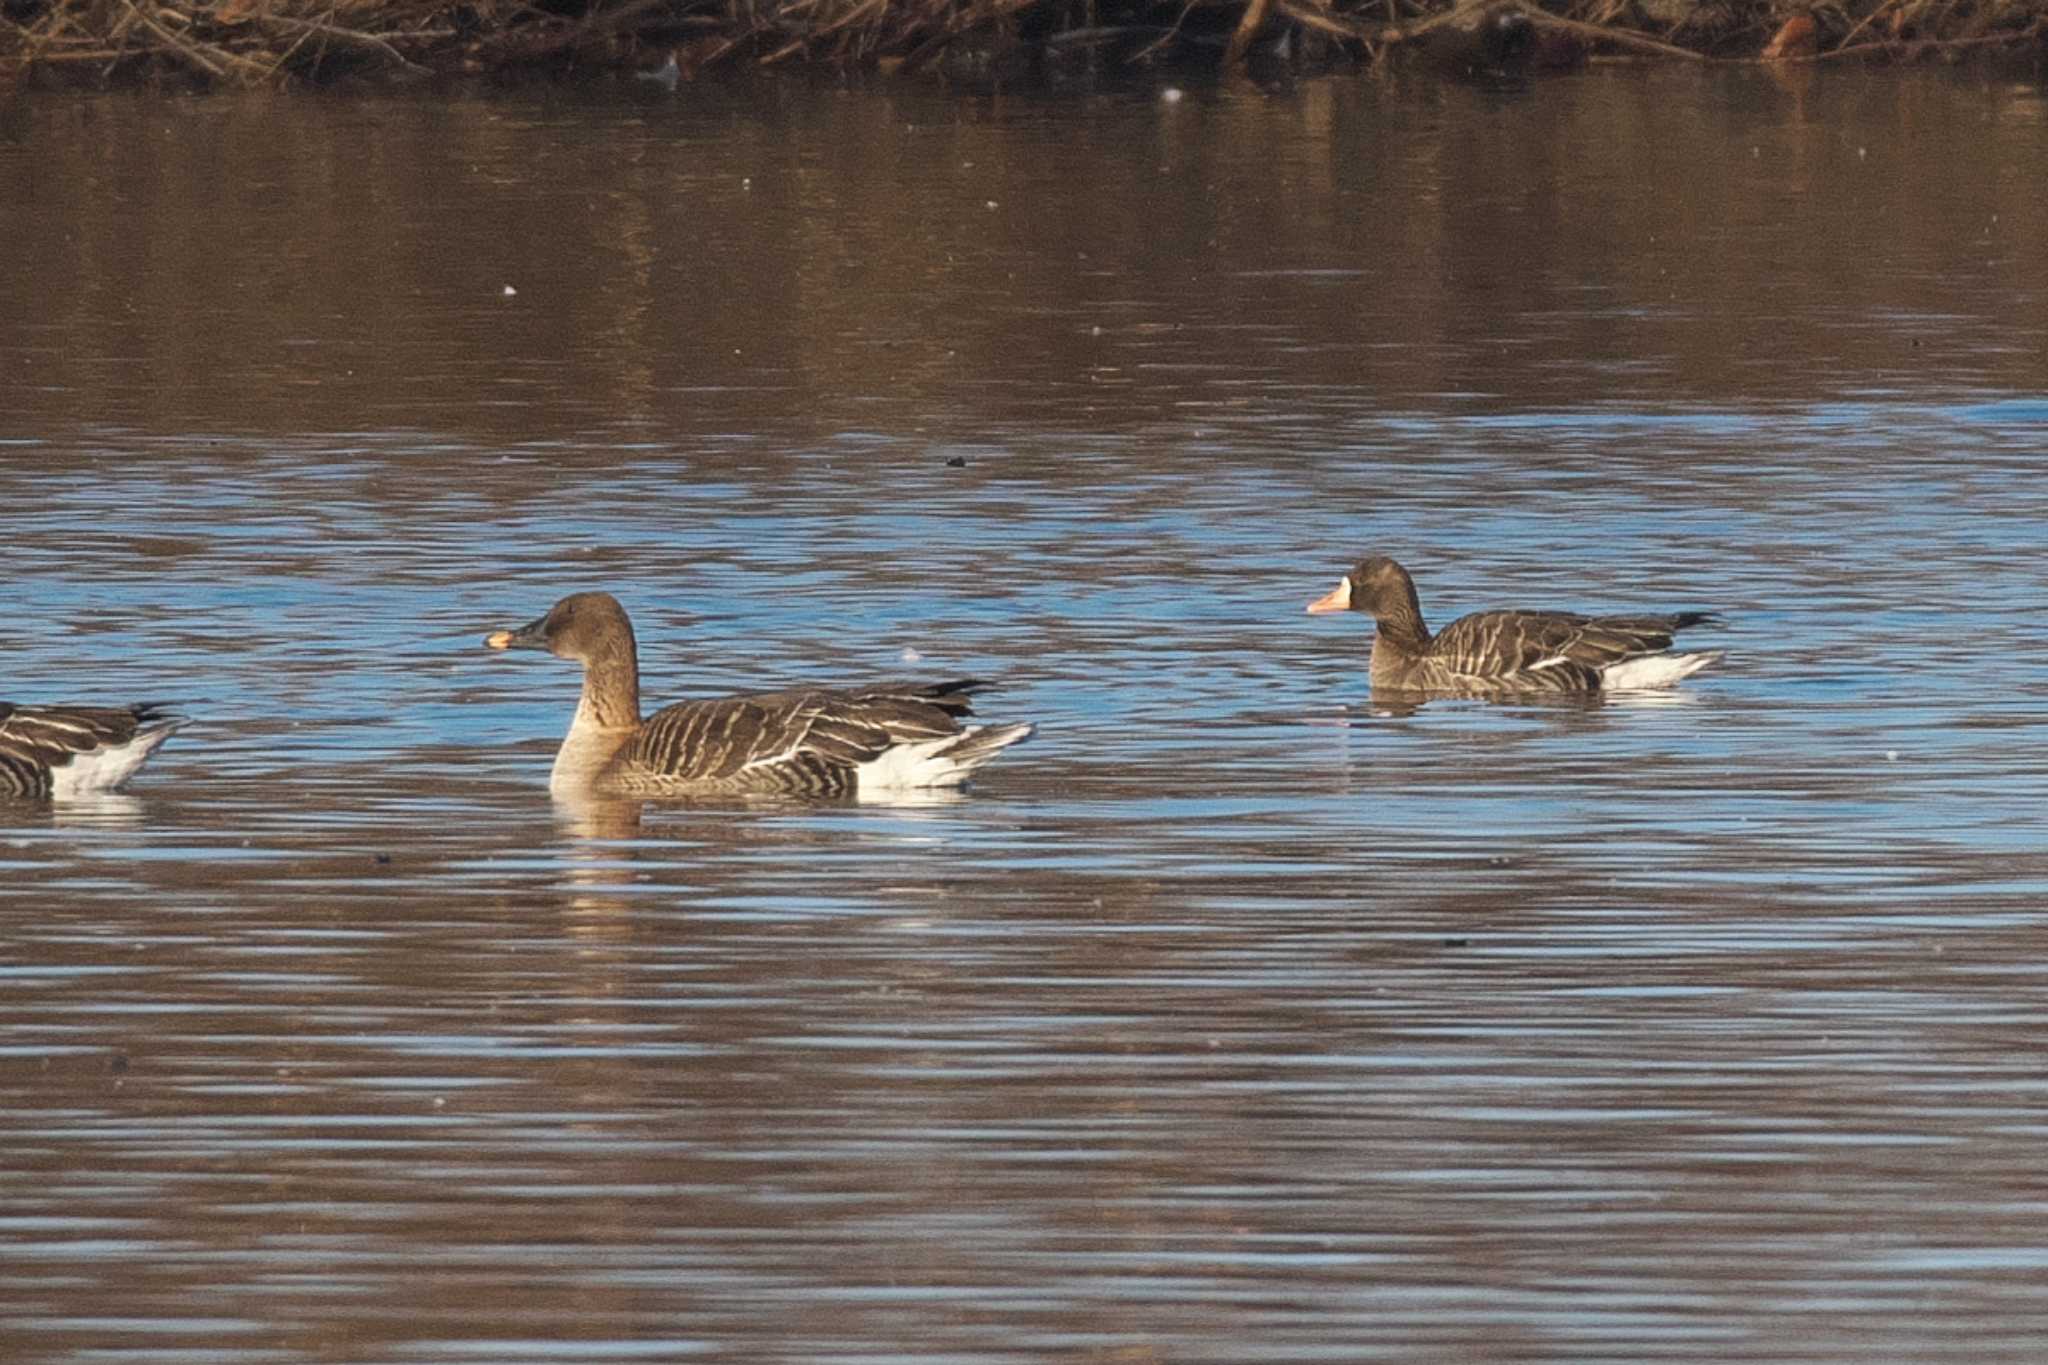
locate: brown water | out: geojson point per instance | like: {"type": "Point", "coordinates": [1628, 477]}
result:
{"type": "Point", "coordinates": [1231, 1020]}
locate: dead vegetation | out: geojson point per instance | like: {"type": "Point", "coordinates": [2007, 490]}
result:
{"type": "Point", "coordinates": [271, 42]}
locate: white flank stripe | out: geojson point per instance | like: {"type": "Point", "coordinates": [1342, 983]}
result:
{"type": "Point", "coordinates": [943, 762]}
{"type": "Point", "coordinates": [916, 764]}
{"type": "Point", "coordinates": [1653, 670]}
{"type": "Point", "coordinates": [104, 770]}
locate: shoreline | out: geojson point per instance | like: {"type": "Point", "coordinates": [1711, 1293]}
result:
{"type": "Point", "coordinates": [274, 43]}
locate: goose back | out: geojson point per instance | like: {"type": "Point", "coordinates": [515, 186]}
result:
{"type": "Point", "coordinates": [1543, 651]}
{"type": "Point", "coordinates": [805, 741]}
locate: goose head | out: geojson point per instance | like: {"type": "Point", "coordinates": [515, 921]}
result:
{"type": "Point", "coordinates": [589, 627]}
{"type": "Point", "coordinates": [1378, 587]}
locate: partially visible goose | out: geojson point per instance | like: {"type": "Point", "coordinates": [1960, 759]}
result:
{"type": "Point", "coordinates": [803, 742]}
{"type": "Point", "coordinates": [60, 751]}
{"type": "Point", "coordinates": [1509, 651]}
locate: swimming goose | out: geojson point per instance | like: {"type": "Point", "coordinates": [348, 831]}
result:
{"type": "Point", "coordinates": [60, 751]}
{"type": "Point", "coordinates": [802, 742]}
{"type": "Point", "coordinates": [1509, 651]}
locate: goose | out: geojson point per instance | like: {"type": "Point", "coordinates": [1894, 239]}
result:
{"type": "Point", "coordinates": [806, 741]}
{"type": "Point", "coordinates": [1509, 651]}
{"type": "Point", "coordinates": [62, 751]}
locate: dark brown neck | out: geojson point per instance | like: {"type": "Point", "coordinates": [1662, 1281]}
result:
{"type": "Point", "coordinates": [611, 688]}
{"type": "Point", "coordinates": [1400, 622]}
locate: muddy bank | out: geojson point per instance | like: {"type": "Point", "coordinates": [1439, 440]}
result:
{"type": "Point", "coordinates": [271, 42]}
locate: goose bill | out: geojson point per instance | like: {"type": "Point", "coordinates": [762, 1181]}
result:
{"type": "Point", "coordinates": [1337, 599]}
{"type": "Point", "coordinates": [526, 637]}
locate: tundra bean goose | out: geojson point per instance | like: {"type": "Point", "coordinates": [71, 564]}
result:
{"type": "Point", "coordinates": [1509, 651]}
{"type": "Point", "coordinates": [60, 751]}
{"type": "Point", "coordinates": [804, 742]}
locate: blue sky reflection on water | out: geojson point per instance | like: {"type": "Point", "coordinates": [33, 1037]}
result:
{"type": "Point", "coordinates": [1239, 1016]}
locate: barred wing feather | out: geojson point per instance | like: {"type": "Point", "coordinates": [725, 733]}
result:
{"type": "Point", "coordinates": [804, 740]}
{"type": "Point", "coordinates": [1563, 649]}
{"type": "Point", "coordinates": [46, 750]}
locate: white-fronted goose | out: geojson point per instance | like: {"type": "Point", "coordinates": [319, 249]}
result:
{"type": "Point", "coordinates": [1509, 651]}
{"type": "Point", "coordinates": [60, 751]}
{"type": "Point", "coordinates": [803, 742]}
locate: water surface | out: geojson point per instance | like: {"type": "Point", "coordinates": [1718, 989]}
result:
{"type": "Point", "coordinates": [1235, 1017]}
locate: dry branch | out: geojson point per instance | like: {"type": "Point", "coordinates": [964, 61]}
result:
{"type": "Point", "coordinates": [1247, 29]}
{"type": "Point", "coordinates": [1349, 30]}
{"type": "Point", "coordinates": [204, 57]}
{"type": "Point", "coordinates": [348, 37]}
{"type": "Point", "coordinates": [1617, 37]}
{"type": "Point", "coordinates": [1920, 47]}
{"type": "Point", "coordinates": [241, 42]}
